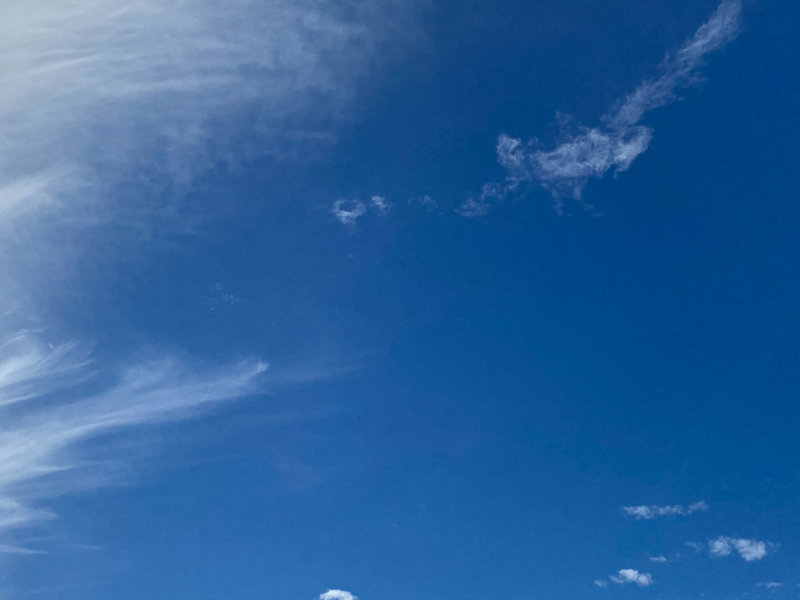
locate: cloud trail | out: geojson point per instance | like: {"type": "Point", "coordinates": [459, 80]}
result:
{"type": "Point", "coordinates": [620, 139]}
{"type": "Point", "coordinates": [646, 512]}
{"type": "Point", "coordinates": [54, 401]}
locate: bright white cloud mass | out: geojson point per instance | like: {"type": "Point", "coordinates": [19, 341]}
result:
{"type": "Point", "coordinates": [624, 576]}
{"type": "Point", "coordinates": [621, 137]}
{"type": "Point", "coordinates": [652, 511]}
{"type": "Point", "coordinates": [337, 595]}
{"type": "Point", "coordinates": [749, 549]}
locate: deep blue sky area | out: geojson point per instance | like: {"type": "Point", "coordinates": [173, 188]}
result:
{"type": "Point", "coordinates": [458, 408]}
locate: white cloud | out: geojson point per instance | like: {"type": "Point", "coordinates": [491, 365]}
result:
{"type": "Point", "coordinates": [658, 559]}
{"type": "Point", "coordinates": [381, 205]}
{"type": "Point", "coordinates": [347, 212]}
{"type": "Point", "coordinates": [644, 512]}
{"type": "Point", "coordinates": [337, 595]}
{"type": "Point", "coordinates": [54, 401]}
{"type": "Point", "coordinates": [491, 193]}
{"type": "Point", "coordinates": [621, 138]}
{"type": "Point", "coordinates": [95, 91]}
{"type": "Point", "coordinates": [770, 585]}
{"type": "Point", "coordinates": [601, 583]}
{"type": "Point", "coordinates": [748, 549]}
{"type": "Point", "coordinates": [101, 92]}
{"type": "Point", "coordinates": [696, 546]}
{"type": "Point", "coordinates": [624, 576]}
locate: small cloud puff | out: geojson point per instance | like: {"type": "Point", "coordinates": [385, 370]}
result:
{"type": "Point", "coordinates": [652, 511]}
{"type": "Point", "coordinates": [658, 559]}
{"type": "Point", "coordinates": [337, 595]}
{"type": "Point", "coordinates": [601, 583]}
{"type": "Point", "coordinates": [347, 211]}
{"type": "Point", "coordinates": [381, 205]}
{"type": "Point", "coordinates": [624, 576]}
{"type": "Point", "coordinates": [748, 549]}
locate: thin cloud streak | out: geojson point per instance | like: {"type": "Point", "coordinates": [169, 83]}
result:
{"type": "Point", "coordinates": [620, 139]}
{"type": "Point", "coordinates": [45, 430]}
{"type": "Point", "coordinates": [770, 585]}
{"type": "Point", "coordinates": [647, 512]}
{"type": "Point", "coordinates": [337, 595]}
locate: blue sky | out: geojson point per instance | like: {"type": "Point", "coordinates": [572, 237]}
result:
{"type": "Point", "coordinates": [385, 300]}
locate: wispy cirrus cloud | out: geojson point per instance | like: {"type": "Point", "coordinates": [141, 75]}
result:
{"type": "Point", "coordinates": [770, 585]}
{"type": "Point", "coordinates": [620, 138]}
{"type": "Point", "coordinates": [653, 511]}
{"type": "Point", "coordinates": [749, 549]}
{"type": "Point", "coordinates": [96, 91]}
{"type": "Point", "coordinates": [98, 94]}
{"type": "Point", "coordinates": [55, 400]}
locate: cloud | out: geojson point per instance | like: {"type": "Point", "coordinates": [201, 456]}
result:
{"type": "Point", "coordinates": [658, 559]}
{"type": "Point", "coordinates": [55, 400]}
{"type": "Point", "coordinates": [749, 549]}
{"type": "Point", "coordinates": [624, 576]}
{"type": "Point", "coordinates": [621, 138]}
{"type": "Point", "coordinates": [96, 92]}
{"type": "Point", "coordinates": [430, 205]}
{"type": "Point", "coordinates": [770, 585]}
{"type": "Point", "coordinates": [337, 595]}
{"type": "Point", "coordinates": [696, 546]}
{"type": "Point", "coordinates": [99, 93]}
{"type": "Point", "coordinates": [381, 205]}
{"type": "Point", "coordinates": [347, 212]}
{"type": "Point", "coordinates": [102, 96]}
{"type": "Point", "coordinates": [652, 511]}
{"type": "Point", "coordinates": [601, 583]}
